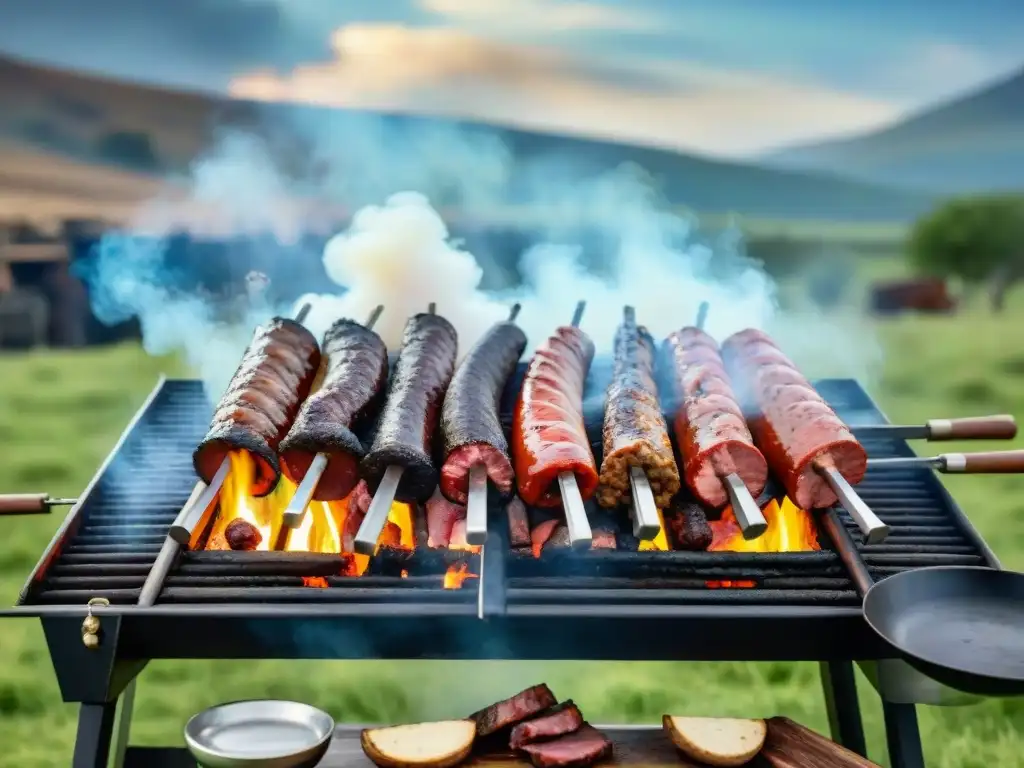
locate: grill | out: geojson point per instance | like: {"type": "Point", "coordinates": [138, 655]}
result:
{"type": "Point", "coordinates": [209, 604]}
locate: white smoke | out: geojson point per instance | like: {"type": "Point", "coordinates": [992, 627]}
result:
{"type": "Point", "coordinates": [398, 251]}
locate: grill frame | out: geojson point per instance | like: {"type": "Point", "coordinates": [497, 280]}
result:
{"type": "Point", "coordinates": [524, 622]}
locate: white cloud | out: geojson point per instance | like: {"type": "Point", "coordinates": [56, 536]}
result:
{"type": "Point", "coordinates": [512, 16]}
{"type": "Point", "coordinates": [448, 72]}
{"type": "Point", "coordinates": [933, 70]}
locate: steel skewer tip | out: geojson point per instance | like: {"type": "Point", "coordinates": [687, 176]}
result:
{"type": "Point", "coordinates": [295, 512]}
{"type": "Point", "coordinates": [374, 317]}
{"type": "Point", "coordinates": [198, 504]}
{"type": "Point", "coordinates": [577, 315]}
{"type": "Point", "coordinates": [702, 314]}
{"type": "Point", "coordinates": [874, 530]}
{"type": "Point", "coordinates": [377, 514]}
{"type": "Point", "coordinates": [628, 315]}
{"type": "Point", "coordinates": [513, 312]}
{"type": "Point", "coordinates": [580, 535]}
{"type": "Point", "coordinates": [744, 506]}
{"type": "Point", "coordinates": [476, 506]}
{"type": "Point", "coordinates": [303, 313]}
{"type": "Point", "coordinates": [646, 521]}
{"type": "Point", "coordinates": [432, 308]}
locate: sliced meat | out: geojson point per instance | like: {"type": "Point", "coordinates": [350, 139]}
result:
{"type": "Point", "coordinates": [562, 719]}
{"type": "Point", "coordinates": [262, 398]}
{"type": "Point", "coordinates": [793, 426]}
{"type": "Point", "coordinates": [635, 432]}
{"type": "Point", "coordinates": [585, 746]}
{"type": "Point", "coordinates": [513, 710]}
{"type": "Point", "coordinates": [458, 538]}
{"type": "Point", "coordinates": [441, 518]}
{"type": "Point", "coordinates": [407, 424]}
{"type": "Point", "coordinates": [470, 422]}
{"type": "Point", "coordinates": [350, 395]}
{"type": "Point", "coordinates": [540, 533]}
{"type": "Point", "coordinates": [548, 433]}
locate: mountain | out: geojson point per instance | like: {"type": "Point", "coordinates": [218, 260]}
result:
{"type": "Point", "coordinates": [149, 132]}
{"type": "Point", "coordinates": [970, 144]}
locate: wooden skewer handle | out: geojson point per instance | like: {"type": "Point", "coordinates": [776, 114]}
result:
{"type": "Point", "coordinates": [24, 504]}
{"type": "Point", "coordinates": [1001, 427]}
{"type": "Point", "coordinates": [990, 463]}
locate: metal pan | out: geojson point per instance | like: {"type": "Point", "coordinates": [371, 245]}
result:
{"type": "Point", "coordinates": [961, 626]}
{"type": "Point", "coordinates": [259, 734]}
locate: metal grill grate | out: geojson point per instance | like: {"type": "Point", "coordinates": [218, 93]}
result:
{"type": "Point", "coordinates": [112, 542]}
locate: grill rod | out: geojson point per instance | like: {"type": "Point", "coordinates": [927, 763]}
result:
{"type": "Point", "coordinates": [984, 463]}
{"type": "Point", "coordinates": [476, 501]}
{"type": "Point", "coordinates": [191, 521]}
{"type": "Point", "coordinates": [998, 427]}
{"type": "Point", "coordinates": [365, 542]}
{"type": "Point", "coordinates": [295, 512]}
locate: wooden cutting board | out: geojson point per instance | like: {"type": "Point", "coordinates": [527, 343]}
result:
{"type": "Point", "coordinates": [788, 745]}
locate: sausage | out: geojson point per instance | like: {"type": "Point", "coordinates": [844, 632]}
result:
{"type": "Point", "coordinates": [711, 431]}
{"type": "Point", "coordinates": [352, 391]}
{"type": "Point", "coordinates": [687, 527]}
{"type": "Point", "coordinates": [549, 436]}
{"type": "Point", "coordinates": [262, 399]}
{"type": "Point", "coordinates": [442, 515]}
{"type": "Point", "coordinates": [470, 423]}
{"type": "Point", "coordinates": [241, 535]}
{"type": "Point", "coordinates": [635, 432]}
{"type": "Point", "coordinates": [791, 423]}
{"type": "Point", "coordinates": [405, 431]}
{"type": "Point", "coordinates": [518, 524]}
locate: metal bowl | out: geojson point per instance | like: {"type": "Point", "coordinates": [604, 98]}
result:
{"type": "Point", "coordinates": [259, 734]}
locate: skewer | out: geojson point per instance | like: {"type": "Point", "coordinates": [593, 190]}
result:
{"type": "Point", "coordinates": [986, 463]}
{"type": "Point", "coordinates": [476, 500]}
{"type": "Point", "coordinates": [580, 535]}
{"type": "Point", "coordinates": [998, 427]}
{"type": "Point", "coordinates": [200, 503]}
{"type": "Point", "coordinates": [295, 512]}
{"type": "Point", "coordinates": [874, 530]}
{"type": "Point", "coordinates": [365, 542]}
{"type": "Point", "coordinates": [745, 509]}
{"type": "Point", "coordinates": [31, 503]}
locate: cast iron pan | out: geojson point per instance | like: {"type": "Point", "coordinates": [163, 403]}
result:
{"type": "Point", "coordinates": [960, 626]}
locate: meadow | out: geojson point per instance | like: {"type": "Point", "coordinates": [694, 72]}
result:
{"type": "Point", "coordinates": [60, 412]}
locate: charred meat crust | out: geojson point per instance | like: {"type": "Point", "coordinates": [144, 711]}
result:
{"type": "Point", "coordinates": [470, 410]}
{"type": "Point", "coordinates": [560, 720]}
{"type": "Point", "coordinates": [261, 400]}
{"type": "Point", "coordinates": [686, 525]}
{"type": "Point", "coordinates": [583, 747]}
{"type": "Point", "coordinates": [351, 393]}
{"type": "Point", "coordinates": [405, 430]}
{"type": "Point", "coordinates": [513, 710]}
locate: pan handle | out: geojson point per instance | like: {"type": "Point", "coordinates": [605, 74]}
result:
{"type": "Point", "coordinates": [846, 548]}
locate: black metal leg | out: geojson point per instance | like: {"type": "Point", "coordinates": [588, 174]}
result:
{"type": "Point", "coordinates": [124, 724]}
{"type": "Point", "coordinates": [95, 727]}
{"type": "Point", "coordinates": [843, 706]}
{"type": "Point", "coordinates": [902, 735]}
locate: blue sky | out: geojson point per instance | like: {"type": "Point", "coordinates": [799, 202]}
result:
{"type": "Point", "coordinates": [732, 77]}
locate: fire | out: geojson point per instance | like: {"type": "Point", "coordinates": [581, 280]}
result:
{"type": "Point", "coordinates": [790, 529]}
{"type": "Point", "coordinates": [659, 543]}
{"type": "Point", "coordinates": [321, 529]}
{"type": "Point", "coordinates": [456, 575]}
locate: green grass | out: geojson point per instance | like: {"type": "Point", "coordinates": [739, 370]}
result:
{"type": "Point", "coordinates": [60, 413]}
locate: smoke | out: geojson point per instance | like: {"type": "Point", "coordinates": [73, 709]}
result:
{"type": "Point", "coordinates": [399, 252]}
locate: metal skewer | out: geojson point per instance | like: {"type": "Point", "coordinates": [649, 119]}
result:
{"type": "Point", "coordinates": [580, 535]}
{"type": "Point", "coordinates": [984, 463]}
{"type": "Point", "coordinates": [295, 512]}
{"type": "Point", "coordinates": [31, 503]}
{"type": "Point", "coordinates": [476, 498]}
{"type": "Point", "coordinates": [365, 542]}
{"type": "Point", "coordinates": [874, 530]}
{"type": "Point", "coordinates": [998, 427]}
{"type": "Point", "coordinates": [200, 505]}
{"type": "Point", "coordinates": [702, 314]}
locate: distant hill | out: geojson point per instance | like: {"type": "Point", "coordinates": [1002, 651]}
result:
{"type": "Point", "coordinates": [151, 131]}
{"type": "Point", "coordinates": [973, 143]}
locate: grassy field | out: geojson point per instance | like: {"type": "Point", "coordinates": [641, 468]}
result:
{"type": "Point", "coordinates": [60, 413]}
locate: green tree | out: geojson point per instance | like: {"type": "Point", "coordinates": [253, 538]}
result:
{"type": "Point", "coordinates": [977, 239]}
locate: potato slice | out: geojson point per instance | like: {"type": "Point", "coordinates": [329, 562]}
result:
{"type": "Point", "coordinates": [718, 741]}
{"type": "Point", "coordinates": [421, 745]}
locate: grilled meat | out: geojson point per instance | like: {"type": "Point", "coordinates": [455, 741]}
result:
{"type": "Point", "coordinates": [513, 710]}
{"type": "Point", "coordinates": [585, 746]}
{"type": "Point", "coordinates": [560, 720]}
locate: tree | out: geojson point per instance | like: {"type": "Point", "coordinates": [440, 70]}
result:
{"type": "Point", "coordinates": [978, 239]}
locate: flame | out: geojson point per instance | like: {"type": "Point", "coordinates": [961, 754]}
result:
{"type": "Point", "coordinates": [322, 525]}
{"type": "Point", "coordinates": [456, 575]}
{"type": "Point", "coordinates": [790, 529]}
{"type": "Point", "coordinates": [660, 542]}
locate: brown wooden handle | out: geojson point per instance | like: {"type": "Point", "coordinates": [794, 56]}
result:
{"type": "Point", "coordinates": [1001, 427]}
{"type": "Point", "coordinates": [24, 504]}
{"type": "Point", "coordinates": [989, 463]}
